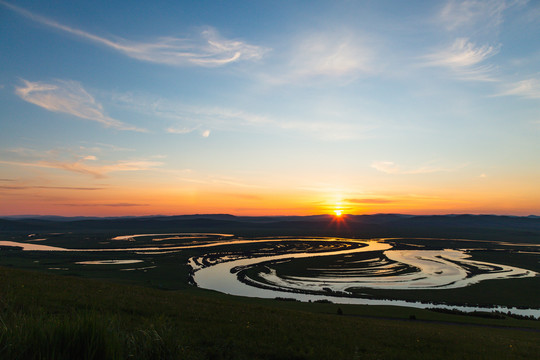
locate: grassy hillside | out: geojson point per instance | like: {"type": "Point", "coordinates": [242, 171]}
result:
{"type": "Point", "coordinates": [50, 317]}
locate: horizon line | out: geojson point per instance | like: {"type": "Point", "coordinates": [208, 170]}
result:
{"type": "Point", "coordinates": [268, 216]}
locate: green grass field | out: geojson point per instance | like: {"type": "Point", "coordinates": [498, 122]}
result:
{"type": "Point", "coordinates": [45, 316]}
{"type": "Point", "coordinates": [58, 309]}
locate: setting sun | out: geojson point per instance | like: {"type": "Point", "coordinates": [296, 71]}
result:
{"type": "Point", "coordinates": [362, 154]}
{"type": "Point", "coordinates": [290, 138]}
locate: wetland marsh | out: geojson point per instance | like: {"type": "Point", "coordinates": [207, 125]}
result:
{"type": "Point", "coordinates": [340, 270]}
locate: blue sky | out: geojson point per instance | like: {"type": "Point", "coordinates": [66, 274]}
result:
{"type": "Point", "coordinates": [269, 107]}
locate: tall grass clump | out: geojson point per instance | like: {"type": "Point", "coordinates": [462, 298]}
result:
{"type": "Point", "coordinates": [55, 324]}
{"type": "Point", "coordinates": [32, 336]}
{"type": "Point", "coordinates": [80, 336]}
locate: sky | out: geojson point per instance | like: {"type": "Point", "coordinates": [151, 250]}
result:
{"type": "Point", "coordinates": [269, 107]}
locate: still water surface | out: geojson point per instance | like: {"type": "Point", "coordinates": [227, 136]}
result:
{"type": "Point", "coordinates": [437, 269]}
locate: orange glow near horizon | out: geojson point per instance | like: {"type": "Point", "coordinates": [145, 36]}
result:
{"type": "Point", "coordinates": [168, 199]}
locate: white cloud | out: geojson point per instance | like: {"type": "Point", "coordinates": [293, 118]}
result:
{"type": "Point", "coordinates": [331, 56]}
{"type": "Point", "coordinates": [462, 53]}
{"type": "Point", "coordinates": [186, 130]}
{"type": "Point", "coordinates": [207, 49]}
{"type": "Point", "coordinates": [68, 97]}
{"type": "Point", "coordinates": [324, 55]}
{"type": "Point", "coordinates": [529, 89]}
{"type": "Point", "coordinates": [464, 14]}
{"type": "Point", "coordinates": [179, 130]}
{"type": "Point", "coordinates": [464, 58]}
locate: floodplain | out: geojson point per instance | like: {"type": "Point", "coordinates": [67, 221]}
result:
{"type": "Point", "coordinates": [412, 284]}
{"type": "Point", "coordinates": [340, 270]}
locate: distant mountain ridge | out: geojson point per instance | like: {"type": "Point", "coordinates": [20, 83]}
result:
{"type": "Point", "coordinates": [248, 218]}
{"type": "Point", "coordinates": [489, 227]}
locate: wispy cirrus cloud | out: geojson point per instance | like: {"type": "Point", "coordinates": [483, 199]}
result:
{"type": "Point", "coordinates": [81, 164]}
{"type": "Point", "coordinates": [390, 167]}
{"type": "Point", "coordinates": [336, 55]}
{"type": "Point", "coordinates": [529, 89]}
{"type": "Point", "coordinates": [100, 147]}
{"type": "Point", "coordinates": [180, 130]}
{"type": "Point", "coordinates": [487, 15]}
{"type": "Point", "coordinates": [186, 130]}
{"type": "Point", "coordinates": [464, 58]}
{"type": "Point", "coordinates": [100, 171]}
{"type": "Point", "coordinates": [462, 53]}
{"type": "Point", "coordinates": [68, 97]}
{"type": "Point", "coordinates": [330, 55]}
{"type": "Point", "coordinates": [188, 118]}
{"type": "Point", "coordinates": [32, 187]}
{"type": "Point", "coordinates": [207, 49]}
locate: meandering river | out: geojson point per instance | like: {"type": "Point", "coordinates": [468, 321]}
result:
{"type": "Point", "coordinates": [435, 269]}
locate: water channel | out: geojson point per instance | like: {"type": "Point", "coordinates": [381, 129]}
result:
{"type": "Point", "coordinates": [437, 269]}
